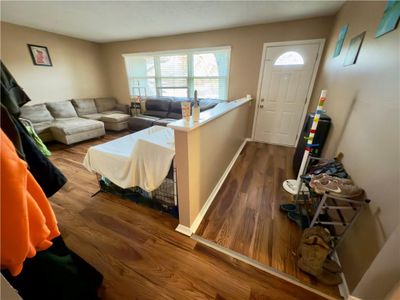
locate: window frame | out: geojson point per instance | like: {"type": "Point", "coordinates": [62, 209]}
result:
{"type": "Point", "coordinates": [190, 79]}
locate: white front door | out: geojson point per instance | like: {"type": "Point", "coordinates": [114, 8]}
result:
{"type": "Point", "coordinates": [285, 83]}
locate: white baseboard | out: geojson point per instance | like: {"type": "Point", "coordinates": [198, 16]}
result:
{"type": "Point", "coordinates": [343, 288]}
{"type": "Point", "coordinates": [353, 298]}
{"type": "Point", "coordinates": [189, 231]}
{"type": "Point", "coordinates": [259, 266]}
{"type": "Point", "coordinates": [184, 230]}
{"type": "Point", "coordinates": [214, 192]}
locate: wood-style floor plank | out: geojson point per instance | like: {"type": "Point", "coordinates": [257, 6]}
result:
{"type": "Point", "coordinates": [245, 216]}
{"type": "Point", "coordinates": [138, 250]}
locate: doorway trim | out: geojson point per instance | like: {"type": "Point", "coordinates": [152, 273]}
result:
{"type": "Point", "coordinates": [321, 43]}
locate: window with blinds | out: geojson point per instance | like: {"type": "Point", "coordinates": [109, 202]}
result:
{"type": "Point", "coordinates": [180, 73]}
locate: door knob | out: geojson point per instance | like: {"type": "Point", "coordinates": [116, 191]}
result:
{"type": "Point", "coordinates": [261, 106]}
{"type": "Point", "coordinates": [262, 100]}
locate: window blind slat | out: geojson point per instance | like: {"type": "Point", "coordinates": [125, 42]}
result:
{"type": "Point", "coordinates": [180, 74]}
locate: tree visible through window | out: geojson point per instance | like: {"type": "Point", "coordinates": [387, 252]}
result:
{"type": "Point", "coordinates": [289, 58]}
{"type": "Point", "coordinates": [180, 73]}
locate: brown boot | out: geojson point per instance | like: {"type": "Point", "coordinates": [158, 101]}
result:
{"type": "Point", "coordinates": [319, 231]}
{"type": "Point", "coordinates": [332, 266]}
{"type": "Point", "coordinates": [313, 254]}
{"type": "Point", "coordinates": [310, 233]}
{"type": "Point", "coordinates": [329, 278]}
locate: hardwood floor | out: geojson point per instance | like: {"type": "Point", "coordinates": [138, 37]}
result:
{"type": "Point", "coordinates": [138, 251]}
{"type": "Point", "coordinates": [245, 216]}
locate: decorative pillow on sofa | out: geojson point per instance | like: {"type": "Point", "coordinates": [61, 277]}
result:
{"type": "Point", "coordinates": [105, 104]}
{"type": "Point", "coordinates": [36, 113]}
{"type": "Point", "coordinates": [61, 109]}
{"type": "Point", "coordinates": [84, 106]}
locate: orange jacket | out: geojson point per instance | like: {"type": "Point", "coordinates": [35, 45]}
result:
{"type": "Point", "coordinates": [28, 223]}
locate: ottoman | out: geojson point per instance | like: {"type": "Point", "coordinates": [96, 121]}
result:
{"type": "Point", "coordinates": [141, 122]}
{"type": "Point", "coordinates": [115, 121]}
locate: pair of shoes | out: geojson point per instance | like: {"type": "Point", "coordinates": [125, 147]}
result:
{"type": "Point", "coordinates": [288, 207]}
{"type": "Point", "coordinates": [326, 177]}
{"type": "Point", "coordinates": [336, 186]}
{"type": "Point", "coordinates": [293, 214]}
{"type": "Point", "coordinates": [334, 168]}
{"type": "Point", "coordinates": [301, 220]}
{"type": "Point", "coordinates": [332, 266]}
{"type": "Point", "coordinates": [313, 251]}
{"type": "Point", "coordinates": [324, 275]}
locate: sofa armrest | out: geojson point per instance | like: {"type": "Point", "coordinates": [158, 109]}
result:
{"type": "Point", "coordinates": [122, 107]}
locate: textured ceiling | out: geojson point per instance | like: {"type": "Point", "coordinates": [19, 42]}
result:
{"type": "Point", "coordinates": [106, 21]}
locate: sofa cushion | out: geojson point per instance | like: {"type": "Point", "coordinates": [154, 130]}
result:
{"type": "Point", "coordinates": [61, 109]}
{"type": "Point", "coordinates": [115, 118]}
{"type": "Point", "coordinates": [156, 113]}
{"type": "Point", "coordinates": [75, 125]}
{"type": "Point", "coordinates": [158, 104]}
{"type": "Point", "coordinates": [105, 104]}
{"type": "Point", "coordinates": [42, 127]}
{"type": "Point", "coordinates": [110, 112]}
{"type": "Point", "coordinates": [84, 106]}
{"type": "Point", "coordinates": [124, 108]}
{"type": "Point", "coordinates": [176, 107]}
{"type": "Point", "coordinates": [173, 115]}
{"type": "Point", "coordinates": [92, 116]}
{"type": "Point", "coordinates": [36, 113]}
{"type": "Point", "coordinates": [145, 117]}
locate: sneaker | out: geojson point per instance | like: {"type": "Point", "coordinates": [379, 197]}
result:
{"type": "Point", "coordinates": [334, 168]}
{"type": "Point", "coordinates": [288, 207]}
{"type": "Point", "coordinates": [301, 220]}
{"type": "Point", "coordinates": [336, 186]}
{"type": "Point", "coordinates": [325, 178]}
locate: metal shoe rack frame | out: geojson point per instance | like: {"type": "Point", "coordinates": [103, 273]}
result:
{"type": "Point", "coordinates": [346, 209]}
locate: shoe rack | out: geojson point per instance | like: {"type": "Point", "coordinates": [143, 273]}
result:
{"type": "Point", "coordinates": [330, 211]}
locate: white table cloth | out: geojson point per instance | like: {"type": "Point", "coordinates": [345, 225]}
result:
{"type": "Point", "coordinates": [140, 159]}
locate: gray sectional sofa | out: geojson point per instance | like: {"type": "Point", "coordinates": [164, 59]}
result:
{"type": "Point", "coordinates": [163, 110]}
{"type": "Point", "coordinates": [72, 121]}
{"type": "Point", "coordinates": [114, 115]}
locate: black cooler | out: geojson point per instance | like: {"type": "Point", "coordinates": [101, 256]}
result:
{"type": "Point", "coordinates": [320, 137]}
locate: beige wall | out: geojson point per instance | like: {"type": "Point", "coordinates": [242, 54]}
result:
{"type": "Point", "coordinates": [77, 70]}
{"type": "Point", "coordinates": [363, 101]}
{"type": "Point", "coordinates": [384, 273]}
{"type": "Point", "coordinates": [202, 156]}
{"type": "Point", "coordinates": [246, 42]}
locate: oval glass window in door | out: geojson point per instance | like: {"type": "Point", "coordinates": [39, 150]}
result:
{"type": "Point", "coordinates": [289, 58]}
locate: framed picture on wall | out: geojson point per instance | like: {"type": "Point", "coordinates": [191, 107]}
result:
{"type": "Point", "coordinates": [40, 55]}
{"type": "Point", "coordinates": [340, 40]}
{"type": "Point", "coordinates": [354, 49]}
{"type": "Point", "coordinates": [390, 19]}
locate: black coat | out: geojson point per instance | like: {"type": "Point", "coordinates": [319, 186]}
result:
{"type": "Point", "coordinates": [13, 97]}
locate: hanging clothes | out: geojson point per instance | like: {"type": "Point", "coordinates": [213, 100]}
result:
{"type": "Point", "coordinates": [38, 141]}
{"type": "Point", "coordinates": [9, 128]}
{"type": "Point", "coordinates": [12, 95]}
{"type": "Point", "coordinates": [28, 222]}
{"type": "Point", "coordinates": [56, 273]}
{"type": "Point", "coordinates": [46, 174]}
